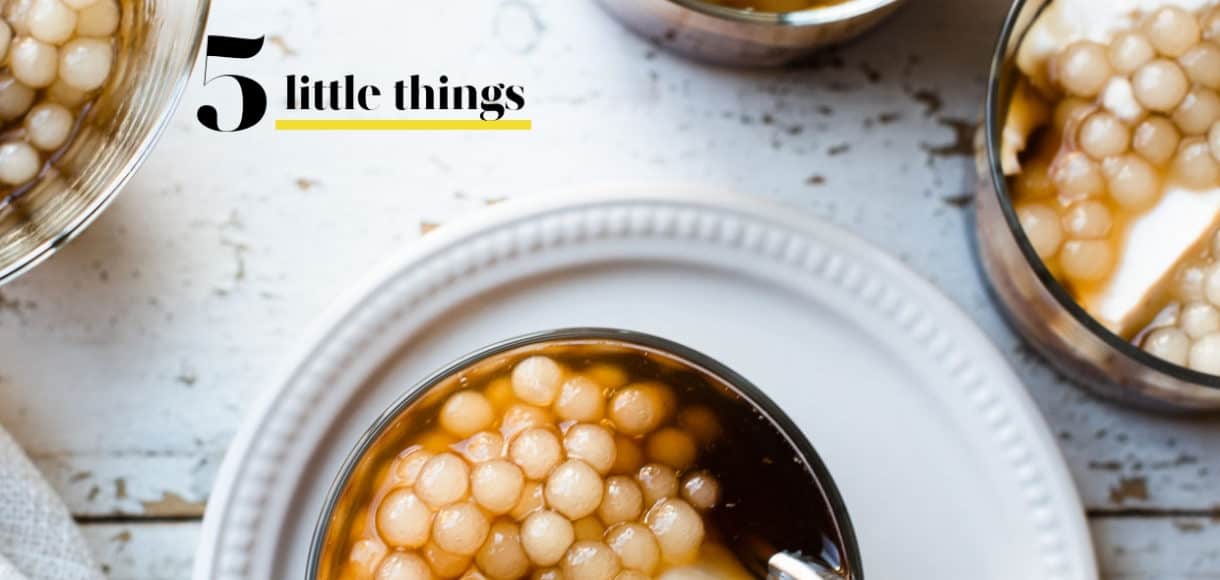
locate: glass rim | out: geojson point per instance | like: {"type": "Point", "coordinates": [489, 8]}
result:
{"type": "Point", "coordinates": [79, 223]}
{"type": "Point", "coordinates": [832, 499]}
{"type": "Point", "coordinates": [815, 16]}
{"type": "Point", "coordinates": [994, 113]}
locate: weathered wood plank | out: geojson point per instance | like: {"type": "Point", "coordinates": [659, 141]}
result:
{"type": "Point", "coordinates": [115, 484]}
{"type": "Point", "coordinates": [1185, 548]}
{"type": "Point", "coordinates": [144, 551]}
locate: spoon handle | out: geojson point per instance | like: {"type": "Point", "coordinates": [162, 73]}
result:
{"type": "Point", "coordinates": [787, 567]}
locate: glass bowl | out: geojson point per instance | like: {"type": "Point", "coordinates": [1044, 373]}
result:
{"type": "Point", "coordinates": [158, 41]}
{"type": "Point", "coordinates": [732, 36]}
{"type": "Point", "coordinates": [1038, 306]}
{"type": "Point", "coordinates": [835, 547]}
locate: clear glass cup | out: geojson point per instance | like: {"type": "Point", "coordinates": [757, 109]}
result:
{"type": "Point", "coordinates": [1037, 305]}
{"type": "Point", "coordinates": [158, 41]}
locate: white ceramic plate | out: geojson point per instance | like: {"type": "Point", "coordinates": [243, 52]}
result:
{"type": "Point", "coordinates": [946, 467]}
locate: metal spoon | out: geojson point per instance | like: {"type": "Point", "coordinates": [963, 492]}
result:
{"type": "Point", "coordinates": [783, 566]}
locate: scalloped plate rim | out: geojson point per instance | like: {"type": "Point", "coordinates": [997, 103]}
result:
{"type": "Point", "coordinates": [1073, 526]}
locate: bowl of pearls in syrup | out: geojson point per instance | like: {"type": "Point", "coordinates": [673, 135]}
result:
{"type": "Point", "coordinates": [584, 454]}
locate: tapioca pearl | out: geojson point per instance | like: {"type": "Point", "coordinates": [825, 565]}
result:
{"type": "Point", "coordinates": [537, 451]}
{"type": "Point", "coordinates": [581, 399]}
{"type": "Point", "coordinates": [1189, 283]}
{"type": "Point", "coordinates": [1087, 219]}
{"type": "Point", "coordinates": [635, 545]}
{"type": "Point", "coordinates": [1083, 68]}
{"type": "Point", "coordinates": [702, 422]}
{"type": "Point", "coordinates": [632, 575]}
{"type": "Point", "coordinates": [19, 163]}
{"type": "Point", "coordinates": [499, 391]}
{"type": "Point", "coordinates": [404, 520]}
{"type": "Point", "coordinates": [1172, 30]}
{"type": "Point", "coordinates": [574, 489]}
{"type": "Point", "coordinates": [445, 564]}
{"type": "Point", "coordinates": [657, 482]}
{"type": "Point", "coordinates": [460, 528]}
{"type": "Point", "coordinates": [408, 465]}
{"type": "Point", "coordinates": [628, 457]}
{"type": "Point", "coordinates": [520, 417]}
{"type": "Point", "coordinates": [502, 557]}
{"type": "Point", "coordinates": [444, 479]}
{"type": "Point", "coordinates": [1134, 183]}
{"type": "Point", "coordinates": [590, 561]}
{"type": "Point", "coordinates": [548, 574]}
{"type": "Point", "coordinates": [48, 126]}
{"type": "Point", "coordinates": [1194, 166]}
{"type": "Point", "coordinates": [592, 444]}
{"type": "Point", "coordinates": [702, 490]}
{"type": "Point", "coordinates": [1198, 111]}
{"type": "Point", "coordinates": [1102, 135]}
{"type": "Point", "coordinates": [497, 485]}
{"type": "Point", "coordinates": [1077, 176]}
{"type": "Point", "coordinates": [100, 19]}
{"type": "Point", "coordinates": [85, 63]}
{"type": "Point", "coordinates": [1119, 99]}
{"type": "Point", "coordinates": [51, 21]}
{"type": "Point", "coordinates": [484, 446]}
{"type": "Point", "coordinates": [403, 566]}
{"type": "Point", "coordinates": [15, 98]}
{"type": "Point", "coordinates": [70, 97]}
{"type": "Point", "coordinates": [1040, 222]}
{"type": "Point", "coordinates": [546, 536]}
{"type": "Point", "coordinates": [678, 529]}
{"type": "Point", "coordinates": [533, 498]}
{"type": "Point", "coordinates": [1160, 85]}
{"type": "Point", "coordinates": [1130, 50]}
{"type": "Point", "coordinates": [673, 447]}
{"type": "Point", "coordinates": [1202, 64]}
{"type": "Point", "coordinates": [366, 555]}
{"type": "Point", "coordinates": [466, 413]}
{"type": "Point", "coordinates": [1215, 245]}
{"type": "Point", "coordinates": [80, 4]}
{"type": "Point", "coordinates": [1086, 260]}
{"type": "Point", "coordinates": [588, 528]}
{"type": "Point", "coordinates": [1205, 354]}
{"type": "Point", "coordinates": [536, 380]}
{"type": "Point", "coordinates": [638, 409]}
{"type": "Point", "coordinates": [608, 375]}
{"type": "Point", "coordinates": [1156, 139]}
{"type": "Point", "coordinates": [1168, 343]}
{"type": "Point", "coordinates": [622, 501]}
{"type": "Point", "coordinates": [1211, 284]}
{"type": "Point", "coordinates": [34, 62]}
{"type": "Point", "coordinates": [1071, 111]}
{"type": "Point", "coordinates": [1198, 319]}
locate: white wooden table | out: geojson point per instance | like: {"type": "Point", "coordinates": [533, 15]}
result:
{"type": "Point", "coordinates": [129, 359]}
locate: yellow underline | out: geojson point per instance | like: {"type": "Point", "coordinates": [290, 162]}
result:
{"type": "Point", "coordinates": [402, 125]}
